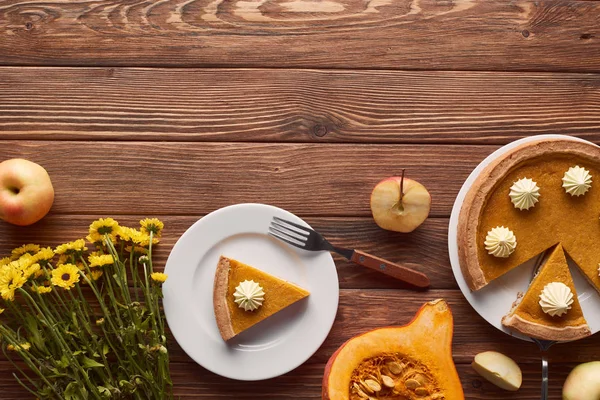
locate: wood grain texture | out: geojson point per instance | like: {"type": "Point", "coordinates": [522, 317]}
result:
{"type": "Point", "coordinates": [197, 178]}
{"type": "Point", "coordinates": [405, 34]}
{"type": "Point", "coordinates": [257, 105]}
{"type": "Point", "coordinates": [361, 311]}
{"type": "Point", "coordinates": [423, 250]}
{"type": "Point", "coordinates": [194, 382]}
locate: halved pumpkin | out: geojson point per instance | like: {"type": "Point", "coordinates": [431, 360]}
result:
{"type": "Point", "coordinates": [413, 361]}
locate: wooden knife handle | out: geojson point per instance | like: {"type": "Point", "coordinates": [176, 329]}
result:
{"type": "Point", "coordinates": [391, 269]}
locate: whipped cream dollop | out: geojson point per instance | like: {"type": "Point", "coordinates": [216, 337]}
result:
{"type": "Point", "coordinates": [524, 193]}
{"type": "Point", "coordinates": [577, 181]}
{"type": "Point", "coordinates": [500, 242]}
{"type": "Point", "coordinates": [249, 295]}
{"type": "Point", "coordinates": [556, 299]}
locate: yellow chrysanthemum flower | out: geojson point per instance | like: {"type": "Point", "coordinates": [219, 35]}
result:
{"type": "Point", "coordinates": [74, 247]}
{"type": "Point", "coordinates": [96, 274]}
{"type": "Point", "coordinates": [33, 269]}
{"type": "Point", "coordinates": [101, 260]}
{"type": "Point", "coordinates": [153, 225]}
{"type": "Point", "coordinates": [21, 346]}
{"type": "Point", "coordinates": [4, 261]}
{"type": "Point", "coordinates": [137, 250]}
{"type": "Point", "coordinates": [1, 310]}
{"type": "Point", "coordinates": [44, 256]}
{"type": "Point", "coordinates": [25, 261]}
{"type": "Point", "coordinates": [63, 259]}
{"type": "Point", "coordinates": [159, 277]}
{"type": "Point", "coordinates": [41, 289]}
{"type": "Point", "coordinates": [11, 279]}
{"type": "Point", "coordinates": [25, 249]}
{"type": "Point", "coordinates": [101, 227]}
{"type": "Point", "coordinates": [142, 239]}
{"type": "Point", "coordinates": [65, 276]}
{"type": "Point", "coordinates": [126, 233]}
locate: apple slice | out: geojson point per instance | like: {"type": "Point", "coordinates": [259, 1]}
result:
{"type": "Point", "coordinates": [583, 382]}
{"type": "Point", "coordinates": [499, 369]}
{"type": "Point", "coordinates": [400, 204]}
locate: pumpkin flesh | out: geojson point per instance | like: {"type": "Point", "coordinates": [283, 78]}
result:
{"type": "Point", "coordinates": [416, 357]}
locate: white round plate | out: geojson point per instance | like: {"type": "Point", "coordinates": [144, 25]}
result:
{"type": "Point", "coordinates": [274, 346]}
{"type": "Point", "coordinates": [496, 299]}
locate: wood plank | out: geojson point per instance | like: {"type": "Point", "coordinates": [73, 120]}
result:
{"type": "Point", "coordinates": [197, 178]}
{"type": "Point", "coordinates": [424, 250]}
{"type": "Point", "coordinates": [194, 382]}
{"type": "Point", "coordinates": [366, 309]}
{"type": "Point", "coordinates": [295, 105]}
{"type": "Point", "coordinates": [424, 34]}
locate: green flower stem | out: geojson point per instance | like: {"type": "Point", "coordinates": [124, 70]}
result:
{"type": "Point", "coordinates": [24, 385]}
{"type": "Point", "coordinates": [31, 381]}
{"type": "Point", "coordinates": [134, 275]}
{"type": "Point", "coordinates": [88, 308]}
{"type": "Point", "coordinates": [6, 334]}
{"type": "Point", "coordinates": [113, 301]}
{"type": "Point", "coordinates": [87, 324]}
{"type": "Point", "coordinates": [107, 318]}
{"type": "Point", "coordinates": [66, 349]}
{"type": "Point", "coordinates": [119, 272]}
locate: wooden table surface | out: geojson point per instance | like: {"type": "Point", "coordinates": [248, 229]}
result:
{"type": "Point", "coordinates": [174, 108]}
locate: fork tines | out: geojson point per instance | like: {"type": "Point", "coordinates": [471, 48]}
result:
{"type": "Point", "coordinates": [289, 232]}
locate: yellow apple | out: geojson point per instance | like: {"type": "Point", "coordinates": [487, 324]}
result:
{"type": "Point", "coordinates": [583, 382]}
{"type": "Point", "coordinates": [400, 211]}
{"type": "Point", "coordinates": [499, 369]}
{"type": "Point", "coordinates": [26, 192]}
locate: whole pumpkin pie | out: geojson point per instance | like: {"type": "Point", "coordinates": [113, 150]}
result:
{"type": "Point", "coordinates": [549, 309]}
{"type": "Point", "coordinates": [524, 203]}
{"type": "Point", "coordinates": [243, 296]}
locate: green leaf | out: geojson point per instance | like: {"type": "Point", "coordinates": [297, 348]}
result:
{"type": "Point", "coordinates": [89, 363]}
{"type": "Point", "coordinates": [145, 324]}
{"type": "Point", "coordinates": [64, 362]}
{"type": "Point", "coordinates": [105, 392]}
{"type": "Point", "coordinates": [105, 349]}
{"type": "Point", "coordinates": [117, 281]}
{"type": "Point", "coordinates": [74, 391]}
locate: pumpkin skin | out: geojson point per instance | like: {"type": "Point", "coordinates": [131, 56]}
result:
{"type": "Point", "coordinates": [426, 340]}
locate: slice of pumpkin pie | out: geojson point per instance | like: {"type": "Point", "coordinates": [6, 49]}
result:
{"type": "Point", "coordinates": [243, 296]}
{"type": "Point", "coordinates": [550, 309]}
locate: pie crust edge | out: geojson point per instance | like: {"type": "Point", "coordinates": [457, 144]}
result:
{"type": "Point", "coordinates": [476, 197]}
{"type": "Point", "coordinates": [220, 299]}
{"type": "Point", "coordinates": [545, 332]}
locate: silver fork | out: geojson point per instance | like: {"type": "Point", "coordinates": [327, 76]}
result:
{"type": "Point", "coordinates": [308, 239]}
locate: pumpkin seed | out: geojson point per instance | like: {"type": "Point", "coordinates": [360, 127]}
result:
{"type": "Point", "coordinates": [372, 384]}
{"type": "Point", "coordinates": [412, 383]}
{"type": "Point", "coordinates": [359, 391]}
{"type": "Point", "coordinates": [421, 391]}
{"type": "Point", "coordinates": [421, 378]}
{"type": "Point", "coordinates": [395, 368]}
{"type": "Point", "coordinates": [387, 381]}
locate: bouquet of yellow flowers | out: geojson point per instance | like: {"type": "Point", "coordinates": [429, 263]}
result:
{"type": "Point", "coordinates": [87, 324]}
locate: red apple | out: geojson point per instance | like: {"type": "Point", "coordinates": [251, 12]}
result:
{"type": "Point", "coordinates": [26, 192]}
{"type": "Point", "coordinates": [400, 204]}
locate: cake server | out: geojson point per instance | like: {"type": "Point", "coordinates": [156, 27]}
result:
{"type": "Point", "coordinates": [308, 239]}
